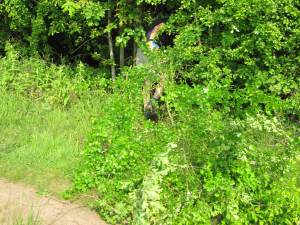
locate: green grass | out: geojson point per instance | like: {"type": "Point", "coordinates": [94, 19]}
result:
{"type": "Point", "coordinates": [32, 219]}
{"type": "Point", "coordinates": [40, 144]}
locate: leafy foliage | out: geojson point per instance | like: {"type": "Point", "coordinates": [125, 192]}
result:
{"type": "Point", "coordinates": [59, 85]}
{"type": "Point", "coordinates": [203, 168]}
{"type": "Point", "coordinates": [223, 151]}
{"type": "Point", "coordinates": [75, 29]}
{"type": "Point", "coordinates": [247, 51]}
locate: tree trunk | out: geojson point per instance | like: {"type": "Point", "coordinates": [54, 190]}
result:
{"type": "Point", "coordinates": [111, 49]}
{"type": "Point", "coordinates": [122, 52]}
{"type": "Point", "coordinates": [134, 53]}
{"type": "Point", "coordinates": [122, 57]}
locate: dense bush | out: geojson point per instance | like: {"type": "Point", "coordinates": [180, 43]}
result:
{"type": "Point", "coordinates": [196, 167]}
{"type": "Point", "coordinates": [218, 156]}
{"type": "Point", "coordinates": [247, 52]}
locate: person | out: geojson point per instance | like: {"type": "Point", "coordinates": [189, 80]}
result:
{"type": "Point", "coordinates": [151, 43]}
{"type": "Point", "coordinates": [151, 95]}
{"type": "Point", "coordinates": [152, 35]}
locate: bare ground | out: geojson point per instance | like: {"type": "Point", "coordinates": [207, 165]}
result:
{"type": "Point", "coordinates": [20, 201]}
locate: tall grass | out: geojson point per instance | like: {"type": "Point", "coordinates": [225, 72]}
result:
{"type": "Point", "coordinates": [45, 114]}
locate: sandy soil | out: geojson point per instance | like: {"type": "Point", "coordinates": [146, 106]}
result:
{"type": "Point", "coordinates": [20, 201]}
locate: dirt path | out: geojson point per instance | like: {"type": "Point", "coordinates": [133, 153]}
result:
{"type": "Point", "coordinates": [19, 201]}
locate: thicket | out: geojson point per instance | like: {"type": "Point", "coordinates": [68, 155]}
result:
{"type": "Point", "coordinates": [224, 149]}
{"type": "Point", "coordinates": [198, 166]}
{"type": "Point", "coordinates": [39, 80]}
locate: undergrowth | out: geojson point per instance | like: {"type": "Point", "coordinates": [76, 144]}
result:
{"type": "Point", "coordinates": [46, 112]}
{"type": "Point", "coordinates": [39, 80]}
{"type": "Point", "coordinates": [196, 166]}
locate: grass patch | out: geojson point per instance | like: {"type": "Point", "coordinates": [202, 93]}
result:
{"type": "Point", "coordinates": [40, 144]}
{"type": "Point", "coordinates": [32, 219]}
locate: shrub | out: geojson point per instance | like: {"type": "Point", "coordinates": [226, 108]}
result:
{"type": "Point", "coordinates": [197, 166]}
{"type": "Point", "coordinates": [245, 52]}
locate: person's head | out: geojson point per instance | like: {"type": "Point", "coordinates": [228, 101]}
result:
{"type": "Point", "coordinates": [164, 39]}
{"type": "Point", "coordinates": [154, 31]}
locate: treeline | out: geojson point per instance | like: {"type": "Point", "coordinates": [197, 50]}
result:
{"type": "Point", "coordinates": [82, 30]}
